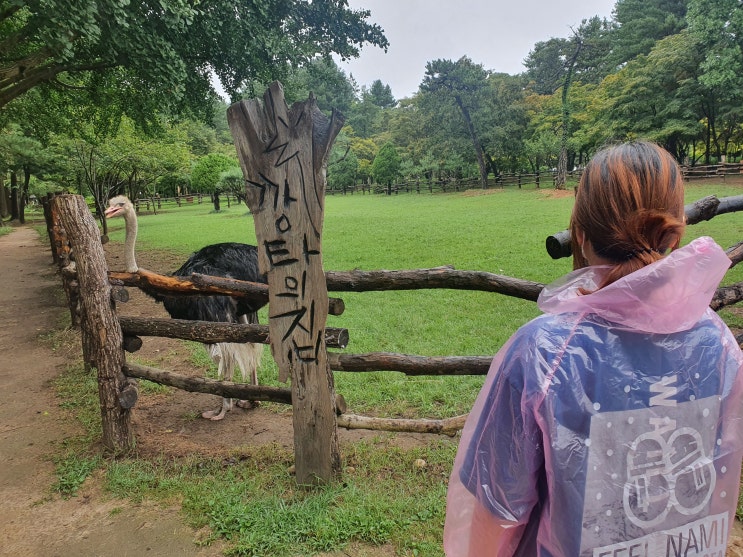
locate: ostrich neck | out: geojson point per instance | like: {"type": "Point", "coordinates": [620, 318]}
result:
{"type": "Point", "coordinates": [131, 240]}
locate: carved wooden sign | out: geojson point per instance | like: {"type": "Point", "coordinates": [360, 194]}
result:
{"type": "Point", "coordinates": [283, 154]}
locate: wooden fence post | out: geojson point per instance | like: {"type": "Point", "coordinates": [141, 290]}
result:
{"type": "Point", "coordinates": [100, 329]}
{"type": "Point", "coordinates": [61, 255]}
{"type": "Point", "coordinates": [283, 154]}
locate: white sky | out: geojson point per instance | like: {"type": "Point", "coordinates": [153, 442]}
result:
{"type": "Point", "coordinates": [495, 33]}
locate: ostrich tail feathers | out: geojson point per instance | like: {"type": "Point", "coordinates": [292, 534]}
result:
{"type": "Point", "coordinates": [229, 355]}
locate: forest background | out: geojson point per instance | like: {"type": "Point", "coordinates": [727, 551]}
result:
{"type": "Point", "coordinates": [111, 97]}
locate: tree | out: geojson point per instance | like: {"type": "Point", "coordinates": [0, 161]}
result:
{"type": "Point", "coordinates": [718, 28]}
{"type": "Point", "coordinates": [18, 154]}
{"type": "Point", "coordinates": [657, 96]}
{"type": "Point", "coordinates": [545, 65]}
{"type": "Point", "coordinates": [642, 23]}
{"type": "Point", "coordinates": [342, 173]}
{"type": "Point", "coordinates": [326, 81]}
{"type": "Point", "coordinates": [386, 166]}
{"type": "Point", "coordinates": [503, 139]}
{"type": "Point", "coordinates": [364, 115]}
{"type": "Point", "coordinates": [557, 63]}
{"type": "Point", "coordinates": [463, 83]}
{"type": "Point", "coordinates": [207, 172]}
{"type": "Point", "coordinates": [231, 181]}
{"type": "Point", "coordinates": [562, 161]}
{"type": "Point", "coordinates": [365, 150]}
{"type": "Point", "coordinates": [381, 94]}
{"type": "Point", "coordinates": [130, 162]}
{"type": "Point", "coordinates": [143, 56]}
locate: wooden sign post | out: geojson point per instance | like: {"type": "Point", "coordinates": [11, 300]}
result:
{"type": "Point", "coordinates": [283, 153]}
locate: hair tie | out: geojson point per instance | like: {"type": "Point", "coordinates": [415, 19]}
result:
{"type": "Point", "coordinates": [635, 253]}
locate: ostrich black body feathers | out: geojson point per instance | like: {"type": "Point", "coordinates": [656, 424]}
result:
{"type": "Point", "coordinates": [229, 260]}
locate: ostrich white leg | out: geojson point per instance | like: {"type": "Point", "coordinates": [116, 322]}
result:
{"type": "Point", "coordinates": [248, 357]}
{"type": "Point", "coordinates": [224, 363]}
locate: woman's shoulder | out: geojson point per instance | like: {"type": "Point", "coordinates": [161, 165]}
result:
{"type": "Point", "coordinates": [547, 329]}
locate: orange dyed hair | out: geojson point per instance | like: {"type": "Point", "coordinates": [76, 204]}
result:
{"type": "Point", "coordinates": [630, 206]}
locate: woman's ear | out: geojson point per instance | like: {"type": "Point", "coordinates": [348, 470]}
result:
{"type": "Point", "coordinates": [580, 238]}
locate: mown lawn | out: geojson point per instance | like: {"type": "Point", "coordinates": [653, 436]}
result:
{"type": "Point", "coordinates": [254, 504]}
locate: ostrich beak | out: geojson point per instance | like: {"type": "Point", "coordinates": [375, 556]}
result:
{"type": "Point", "coordinates": [113, 212]}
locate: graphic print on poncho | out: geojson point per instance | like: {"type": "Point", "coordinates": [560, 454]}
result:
{"type": "Point", "coordinates": [650, 480]}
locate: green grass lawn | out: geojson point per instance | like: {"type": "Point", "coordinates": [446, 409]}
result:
{"type": "Point", "coordinates": [254, 504]}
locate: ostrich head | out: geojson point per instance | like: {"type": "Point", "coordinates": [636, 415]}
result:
{"type": "Point", "coordinates": [120, 206]}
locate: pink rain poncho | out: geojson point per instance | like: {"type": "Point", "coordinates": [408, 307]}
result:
{"type": "Point", "coordinates": [610, 426]}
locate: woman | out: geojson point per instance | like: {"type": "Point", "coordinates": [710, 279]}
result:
{"type": "Point", "coordinates": [610, 425]}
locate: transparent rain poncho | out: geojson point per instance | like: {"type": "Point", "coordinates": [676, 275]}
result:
{"type": "Point", "coordinates": [610, 425]}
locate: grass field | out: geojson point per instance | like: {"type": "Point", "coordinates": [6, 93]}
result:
{"type": "Point", "coordinates": [255, 505]}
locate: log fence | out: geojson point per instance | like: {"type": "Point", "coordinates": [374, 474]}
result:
{"type": "Point", "coordinates": [545, 178]}
{"type": "Point", "coordinates": [337, 281]}
{"type": "Point", "coordinates": [290, 232]}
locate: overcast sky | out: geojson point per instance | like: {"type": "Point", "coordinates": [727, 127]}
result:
{"type": "Point", "coordinates": [495, 33]}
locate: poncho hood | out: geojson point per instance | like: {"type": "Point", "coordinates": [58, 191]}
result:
{"type": "Point", "coordinates": [667, 296]}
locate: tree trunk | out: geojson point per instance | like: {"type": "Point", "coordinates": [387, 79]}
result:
{"type": "Point", "coordinates": [283, 153]}
{"type": "Point", "coordinates": [439, 277]}
{"type": "Point", "coordinates": [475, 142]}
{"type": "Point", "coordinates": [101, 333]}
{"type": "Point", "coordinates": [23, 197]}
{"type": "Point", "coordinates": [210, 332]}
{"type": "Point", "coordinates": [448, 426]}
{"type": "Point", "coordinates": [562, 161]}
{"type": "Point", "coordinates": [13, 196]}
{"type": "Point", "coordinates": [3, 198]}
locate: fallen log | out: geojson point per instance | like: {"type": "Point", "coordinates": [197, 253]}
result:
{"type": "Point", "coordinates": [410, 365]}
{"type": "Point", "coordinates": [209, 332]}
{"type": "Point", "coordinates": [157, 285]}
{"type": "Point", "coordinates": [558, 245]}
{"type": "Point", "coordinates": [160, 285]}
{"type": "Point", "coordinates": [727, 296]}
{"type": "Point", "coordinates": [447, 426]}
{"type": "Point", "coordinates": [211, 386]}
{"type": "Point", "coordinates": [735, 253]}
{"type": "Point", "coordinates": [438, 277]}
{"type": "Point", "coordinates": [243, 391]}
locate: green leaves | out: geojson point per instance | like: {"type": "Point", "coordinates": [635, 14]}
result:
{"type": "Point", "coordinates": [157, 55]}
{"type": "Point", "coordinates": [718, 26]}
{"type": "Point", "coordinates": [386, 165]}
{"type": "Point", "coordinates": [207, 171]}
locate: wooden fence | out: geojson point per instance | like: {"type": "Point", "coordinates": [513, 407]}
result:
{"type": "Point", "coordinates": [283, 152]}
{"type": "Point", "coordinates": [546, 178]}
{"type": "Point", "coordinates": [712, 171]}
{"type": "Point", "coordinates": [537, 180]}
{"type": "Point", "coordinates": [71, 227]}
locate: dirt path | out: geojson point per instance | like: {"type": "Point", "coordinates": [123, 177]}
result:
{"type": "Point", "coordinates": [33, 522]}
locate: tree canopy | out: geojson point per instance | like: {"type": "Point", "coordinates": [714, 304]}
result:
{"type": "Point", "coordinates": [156, 56]}
{"type": "Point", "coordinates": [111, 96]}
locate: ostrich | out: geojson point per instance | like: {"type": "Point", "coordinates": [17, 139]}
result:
{"type": "Point", "coordinates": [230, 259]}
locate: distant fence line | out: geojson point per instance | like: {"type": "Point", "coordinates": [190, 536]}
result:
{"type": "Point", "coordinates": [537, 180]}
